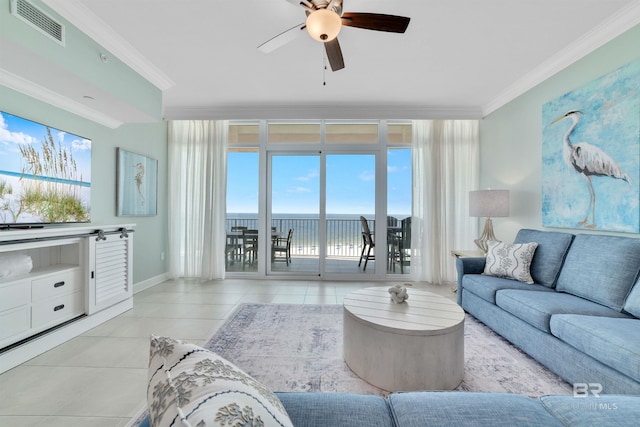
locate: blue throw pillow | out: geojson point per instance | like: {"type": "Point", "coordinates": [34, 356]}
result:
{"type": "Point", "coordinates": [632, 305]}
{"type": "Point", "coordinates": [550, 253]}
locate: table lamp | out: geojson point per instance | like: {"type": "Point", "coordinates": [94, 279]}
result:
{"type": "Point", "coordinates": [488, 203]}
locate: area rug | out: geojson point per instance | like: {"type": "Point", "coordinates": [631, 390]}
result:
{"type": "Point", "coordinates": [292, 347]}
{"type": "Point", "coordinates": [299, 348]}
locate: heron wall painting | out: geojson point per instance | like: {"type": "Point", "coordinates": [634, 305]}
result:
{"type": "Point", "coordinates": [591, 155]}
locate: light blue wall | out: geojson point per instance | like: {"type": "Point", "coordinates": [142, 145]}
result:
{"type": "Point", "coordinates": [150, 238]}
{"type": "Point", "coordinates": [148, 139]}
{"type": "Point", "coordinates": [511, 137]}
{"type": "Point", "coordinates": [81, 56]}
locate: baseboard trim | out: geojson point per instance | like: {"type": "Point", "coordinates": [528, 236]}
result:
{"type": "Point", "coordinates": [150, 282]}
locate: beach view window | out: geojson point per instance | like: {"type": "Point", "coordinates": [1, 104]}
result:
{"type": "Point", "coordinates": [321, 180]}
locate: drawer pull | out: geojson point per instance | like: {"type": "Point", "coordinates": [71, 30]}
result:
{"type": "Point", "coordinates": [57, 285]}
{"type": "Point", "coordinates": [58, 307]}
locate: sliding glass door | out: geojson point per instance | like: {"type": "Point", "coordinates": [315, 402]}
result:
{"type": "Point", "coordinates": [295, 215]}
{"type": "Point", "coordinates": [350, 194]}
{"type": "Point", "coordinates": [242, 210]}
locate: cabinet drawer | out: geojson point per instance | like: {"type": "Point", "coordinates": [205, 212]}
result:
{"type": "Point", "coordinates": [15, 294]}
{"type": "Point", "coordinates": [56, 310]}
{"type": "Point", "coordinates": [53, 285]}
{"type": "Point", "coordinates": [14, 322]}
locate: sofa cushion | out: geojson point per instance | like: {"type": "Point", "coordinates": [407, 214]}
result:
{"type": "Point", "coordinates": [632, 304]}
{"type": "Point", "coordinates": [601, 268]}
{"type": "Point", "coordinates": [190, 383]}
{"type": "Point", "coordinates": [601, 411]}
{"type": "Point", "coordinates": [486, 286]}
{"type": "Point", "coordinates": [536, 308]}
{"type": "Point", "coordinates": [423, 409]}
{"type": "Point", "coordinates": [612, 341]}
{"type": "Point", "coordinates": [336, 409]}
{"type": "Point", "coordinates": [510, 261]}
{"type": "Point", "coordinates": [550, 253]}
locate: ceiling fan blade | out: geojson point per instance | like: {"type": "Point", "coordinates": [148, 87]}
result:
{"type": "Point", "coordinates": [334, 53]}
{"type": "Point", "coordinates": [282, 38]}
{"type": "Point", "coordinates": [376, 21]}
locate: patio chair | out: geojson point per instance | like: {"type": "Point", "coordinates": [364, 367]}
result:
{"type": "Point", "coordinates": [282, 245]}
{"type": "Point", "coordinates": [249, 245]}
{"type": "Point", "coordinates": [233, 249]}
{"type": "Point", "coordinates": [367, 244]}
{"type": "Point", "coordinates": [400, 245]}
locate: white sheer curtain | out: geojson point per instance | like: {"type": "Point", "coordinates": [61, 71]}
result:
{"type": "Point", "coordinates": [445, 168]}
{"type": "Point", "coordinates": [197, 194]}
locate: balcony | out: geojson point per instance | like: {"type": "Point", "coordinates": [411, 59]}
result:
{"type": "Point", "coordinates": [344, 246]}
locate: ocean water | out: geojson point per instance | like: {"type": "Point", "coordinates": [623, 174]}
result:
{"type": "Point", "coordinates": [45, 178]}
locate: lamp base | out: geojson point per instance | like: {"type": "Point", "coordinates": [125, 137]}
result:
{"type": "Point", "coordinates": [487, 235]}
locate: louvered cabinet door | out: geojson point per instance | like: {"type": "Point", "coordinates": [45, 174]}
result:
{"type": "Point", "coordinates": [110, 275]}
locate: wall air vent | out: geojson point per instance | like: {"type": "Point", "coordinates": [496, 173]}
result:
{"type": "Point", "coordinates": [27, 12]}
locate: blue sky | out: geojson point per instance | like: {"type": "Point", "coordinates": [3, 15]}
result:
{"type": "Point", "coordinates": [16, 131]}
{"type": "Point", "coordinates": [296, 183]}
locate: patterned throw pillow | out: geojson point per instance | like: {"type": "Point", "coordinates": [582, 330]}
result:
{"type": "Point", "coordinates": [192, 386]}
{"type": "Point", "coordinates": [510, 261]}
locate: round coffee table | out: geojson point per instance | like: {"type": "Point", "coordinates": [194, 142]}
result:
{"type": "Point", "coordinates": [416, 345]}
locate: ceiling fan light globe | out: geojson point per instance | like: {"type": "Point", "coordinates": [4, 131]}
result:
{"type": "Point", "coordinates": [323, 25]}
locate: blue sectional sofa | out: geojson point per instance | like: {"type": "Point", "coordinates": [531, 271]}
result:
{"type": "Point", "coordinates": [455, 409]}
{"type": "Point", "coordinates": [581, 317]}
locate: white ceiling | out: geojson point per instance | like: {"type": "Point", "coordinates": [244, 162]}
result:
{"type": "Point", "coordinates": [458, 58]}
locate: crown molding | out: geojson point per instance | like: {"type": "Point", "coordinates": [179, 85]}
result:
{"type": "Point", "coordinates": [90, 24]}
{"type": "Point", "coordinates": [310, 112]}
{"type": "Point", "coordinates": [618, 23]}
{"type": "Point", "coordinates": [48, 96]}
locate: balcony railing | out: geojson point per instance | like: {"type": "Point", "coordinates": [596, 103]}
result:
{"type": "Point", "coordinates": [344, 236]}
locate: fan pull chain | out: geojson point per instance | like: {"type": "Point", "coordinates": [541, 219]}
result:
{"type": "Point", "coordinates": [324, 68]}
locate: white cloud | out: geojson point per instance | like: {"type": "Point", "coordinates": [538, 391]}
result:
{"type": "Point", "coordinates": [392, 169]}
{"type": "Point", "coordinates": [81, 144]}
{"type": "Point", "coordinates": [367, 176]}
{"type": "Point", "coordinates": [7, 137]}
{"type": "Point", "coordinates": [298, 190]}
{"type": "Point", "coordinates": [308, 177]}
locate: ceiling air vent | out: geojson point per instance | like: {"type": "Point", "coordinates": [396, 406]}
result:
{"type": "Point", "coordinates": [39, 20]}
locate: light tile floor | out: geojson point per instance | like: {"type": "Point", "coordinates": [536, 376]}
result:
{"type": "Point", "coordinates": [98, 379]}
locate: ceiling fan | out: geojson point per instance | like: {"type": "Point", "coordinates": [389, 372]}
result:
{"type": "Point", "coordinates": [324, 21]}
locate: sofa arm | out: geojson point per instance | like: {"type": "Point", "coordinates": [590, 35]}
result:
{"type": "Point", "coordinates": [470, 265]}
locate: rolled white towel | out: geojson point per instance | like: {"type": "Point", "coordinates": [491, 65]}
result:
{"type": "Point", "coordinates": [15, 264]}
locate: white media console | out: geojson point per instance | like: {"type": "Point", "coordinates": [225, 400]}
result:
{"type": "Point", "coordinates": [81, 277]}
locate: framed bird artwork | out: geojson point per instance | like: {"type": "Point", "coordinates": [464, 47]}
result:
{"type": "Point", "coordinates": [136, 185]}
{"type": "Point", "coordinates": [591, 155]}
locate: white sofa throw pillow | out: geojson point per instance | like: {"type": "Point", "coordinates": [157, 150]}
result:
{"type": "Point", "coordinates": [192, 386]}
{"type": "Point", "coordinates": [510, 261]}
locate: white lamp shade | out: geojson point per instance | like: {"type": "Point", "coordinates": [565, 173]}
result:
{"type": "Point", "coordinates": [324, 25]}
{"type": "Point", "coordinates": [489, 203]}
